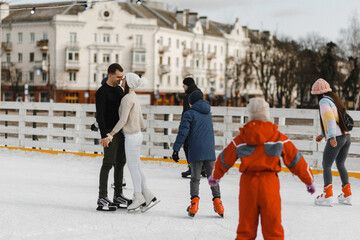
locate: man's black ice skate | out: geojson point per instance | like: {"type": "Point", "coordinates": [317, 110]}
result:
{"type": "Point", "coordinates": [104, 204]}
{"type": "Point", "coordinates": [203, 173]}
{"type": "Point", "coordinates": [121, 202]}
{"type": "Point", "coordinates": [186, 174]}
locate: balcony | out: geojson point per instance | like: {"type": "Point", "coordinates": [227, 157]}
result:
{"type": "Point", "coordinates": [198, 54]}
{"type": "Point", "coordinates": [163, 49]}
{"type": "Point", "coordinates": [187, 52]}
{"type": "Point", "coordinates": [6, 65]}
{"type": "Point", "coordinates": [211, 56]}
{"type": "Point", "coordinates": [187, 71]}
{"type": "Point", "coordinates": [43, 45]}
{"type": "Point", "coordinates": [72, 65]}
{"type": "Point", "coordinates": [138, 68]}
{"type": "Point", "coordinates": [41, 65]}
{"type": "Point", "coordinates": [164, 69]}
{"type": "Point", "coordinates": [210, 73]}
{"type": "Point", "coordinates": [7, 46]}
{"type": "Point", "coordinates": [73, 46]}
{"type": "Point", "coordinates": [139, 47]}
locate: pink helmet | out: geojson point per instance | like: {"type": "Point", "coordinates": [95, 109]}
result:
{"type": "Point", "coordinates": [320, 86]}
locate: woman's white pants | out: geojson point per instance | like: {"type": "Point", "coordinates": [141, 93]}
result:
{"type": "Point", "coordinates": [133, 144]}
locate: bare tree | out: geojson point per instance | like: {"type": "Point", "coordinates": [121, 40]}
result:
{"type": "Point", "coordinates": [351, 36]}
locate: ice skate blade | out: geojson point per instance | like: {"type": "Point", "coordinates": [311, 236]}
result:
{"type": "Point", "coordinates": [323, 204]}
{"type": "Point", "coordinates": [136, 209]}
{"type": "Point", "coordinates": [345, 203]}
{"type": "Point", "coordinates": [121, 206]}
{"type": "Point", "coordinates": [152, 204]}
{"type": "Point", "coordinates": [106, 209]}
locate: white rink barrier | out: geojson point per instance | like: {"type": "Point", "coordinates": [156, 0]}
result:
{"type": "Point", "coordinates": [66, 127]}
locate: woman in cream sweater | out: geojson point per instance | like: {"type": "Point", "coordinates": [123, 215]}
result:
{"type": "Point", "coordinates": [131, 122]}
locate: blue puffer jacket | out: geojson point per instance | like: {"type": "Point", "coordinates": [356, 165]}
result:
{"type": "Point", "coordinates": [196, 124]}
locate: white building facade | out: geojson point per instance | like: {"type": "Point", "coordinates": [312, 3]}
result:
{"type": "Point", "coordinates": [62, 53]}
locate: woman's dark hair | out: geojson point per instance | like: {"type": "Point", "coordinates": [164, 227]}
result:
{"type": "Point", "coordinates": [340, 108]}
{"type": "Point", "coordinates": [113, 67]}
{"type": "Point", "coordinates": [127, 89]}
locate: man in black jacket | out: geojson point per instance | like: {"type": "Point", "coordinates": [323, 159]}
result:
{"type": "Point", "coordinates": [189, 87]}
{"type": "Point", "coordinates": [108, 98]}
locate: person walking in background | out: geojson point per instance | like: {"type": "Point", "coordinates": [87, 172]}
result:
{"type": "Point", "coordinates": [108, 98]}
{"type": "Point", "coordinates": [131, 122]}
{"type": "Point", "coordinates": [259, 147]}
{"type": "Point", "coordinates": [196, 127]}
{"type": "Point", "coordinates": [189, 87]}
{"type": "Point", "coordinates": [338, 142]}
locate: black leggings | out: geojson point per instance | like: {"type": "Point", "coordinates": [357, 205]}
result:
{"type": "Point", "coordinates": [337, 154]}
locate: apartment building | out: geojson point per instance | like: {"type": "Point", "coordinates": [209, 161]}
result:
{"type": "Point", "coordinates": [61, 51]}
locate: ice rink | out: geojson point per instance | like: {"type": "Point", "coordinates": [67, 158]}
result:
{"type": "Point", "coordinates": [53, 197]}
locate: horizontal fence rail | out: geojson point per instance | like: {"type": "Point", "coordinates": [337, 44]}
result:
{"type": "Point", "coordinates": [66, 127]}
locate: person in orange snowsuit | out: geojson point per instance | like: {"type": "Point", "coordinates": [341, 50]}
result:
{"type": "Point", "coordinates": [260, 146]}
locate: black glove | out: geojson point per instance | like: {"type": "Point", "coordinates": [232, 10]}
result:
{"type": "Point", "coordinates": [175, 156]}
{"type": "Point", "coordinates": [94, 127]}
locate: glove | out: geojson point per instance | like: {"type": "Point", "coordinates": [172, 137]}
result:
{"type": "Point", "coordinates": [212, 181]}
{"type": "Point", "coordinates": [310, 188]}
{"type": "Point", "coordinates": [94, 127]}
{"type": "Point", "coordinates": [175, 156]}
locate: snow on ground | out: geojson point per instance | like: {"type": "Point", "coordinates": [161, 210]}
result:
{"type": "Point", "coordinates": [53, 197]}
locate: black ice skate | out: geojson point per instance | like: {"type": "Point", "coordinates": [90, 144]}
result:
{"type": "Point", "coordinates": [121, 202]}
{"type": "Point", "coordinates": [104, 204]}
{"type": "Point", "coordinates": [186, 174]}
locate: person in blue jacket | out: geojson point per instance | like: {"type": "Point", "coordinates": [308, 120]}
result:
{"type": "Point", "coordinates": [196, 125]}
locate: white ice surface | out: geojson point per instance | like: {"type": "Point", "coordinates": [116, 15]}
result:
{"type": "Point", "coordinates": [53, 197]}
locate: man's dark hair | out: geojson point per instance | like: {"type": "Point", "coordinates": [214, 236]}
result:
{"type": "Point", "coordinates": [113, 67]}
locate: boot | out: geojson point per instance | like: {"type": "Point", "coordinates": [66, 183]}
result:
{"type": "Point", "coordinates": [218, 207]}
{"type": "Point", "coordinates": [121, 201]}
{"type": "Point", "coordinates": [104, 204]}
{"type": "Point", "coordinates": [194, 206]}
{"type": "Point", "coordinates": [325, 198]}
{"type": "Point", "coordinates": [137, 201]}
{"type": "Point", "coordinates": [187, 173]}
{"type": "Point", "coordinates": [345, 196]}
{"type": "Point", "coordinates": [149, 197]}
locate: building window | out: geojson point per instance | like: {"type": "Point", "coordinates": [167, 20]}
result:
{"type": "Point", "coordinates": [20, 37]}
{"type": "Point", "coordinates": [221, 50]}
{"type": "Point", "coordinates": [45, 36]}
{"type": "Point", "coordinates": [197, 63]}
{"type": "Point", "coordinates": [138, 41]}
{"type": "Point", "coordinates": [161, 41]}
{"type": "Point", "coordinates": [44, 76]}
{"type": "Point", "coordinates": [197, 81]}
{"type": "Point", "coordinates": [169, 41]}
{"type": "Point", "coordinates": [215, 48]}
{"type": "Point", "coordinates": [106, 38]}
{"type": "Point", "coordinates": [31, 76]}
{"type": "Point", "coordinates": [72, 97]}
{"type": "Point", "coordinates": [104, 75]}
{"type": "Point", "coordinates": [117, 58]}
{"type": "Point", "coordinates": [177, 43]}
{"type": "Point", "coordinates": [117, 38]}
{"type": "Point", "coordinates": [95, 77]}
{"type": "Point", "coordinates": [32, 37]}
{"type": "Point", "coordinates": [209, 47]}
{"type": "Point", "coordinates": [106, 58]}
{"type": "Point", "coordinates": [72, 76]}
{"type": "Point", "coordinates": [8, 57]}
{"type": "Point", "coordinates": [95, 37]}
{"type": "Point", "coordinates": [202, 81]}
{"type": "Point", "coordinates": [20, 58]}
{"type": "Point", "coordinates": [177, 62]}
{"type": "Point", "coordinates": [139, 57]}
{"type": "Point", "coordinates": [202, 46]}
{"type": "Point", "coordinates": [19, 76]}
{"type": "Point", "coordinates": [215, 66]}
{"type": "Point", "coordinates": [177, 80]}
{"type": "Point", "coordinates": [8, 36]}
{"type": "Point", "coordinates": [169, 60]}
{"type": "Point", "coordinates": [184, 44]}
{"type": "Point", "coordinates": [95, 57]}
{"type": "Point", "coordinates": [184, 62]}
{"type": "Point", "coordinates": [73, 37]}
{"type": "Point", "coordinates": [32, 56]}
{"type": "Point", "coordinates": [73, 56]}
{"type": "Point", "coordinates": [168, 80]}
{"type": "Point", "coordinates": [221, 66]}
{"type": "Point", "coordinates": [197, 46]}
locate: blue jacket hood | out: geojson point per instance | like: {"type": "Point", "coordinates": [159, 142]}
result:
{"type": "Point", "coordinates": [202, 106]}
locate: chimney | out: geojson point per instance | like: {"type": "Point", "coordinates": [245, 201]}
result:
{"type": "Point", "coordinates": [4, 10]}
{"type": "Point", "coordinates": [181, 17]}
{"type": "Point", "coordinates": [205, 22]}
{"type": "Point", "coordinates": [193, 17]}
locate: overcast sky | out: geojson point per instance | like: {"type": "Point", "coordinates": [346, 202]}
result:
{"type": "Point", "coordinates": [293, 18]}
